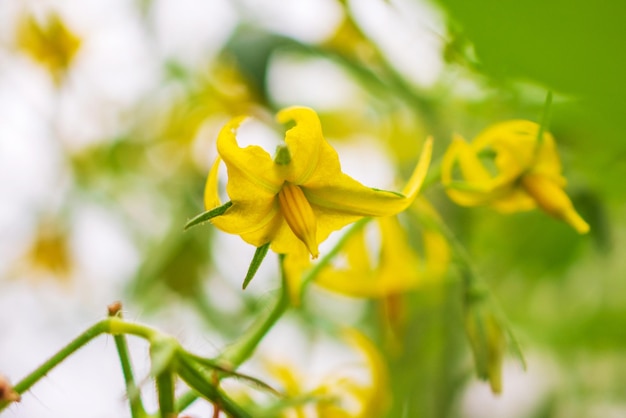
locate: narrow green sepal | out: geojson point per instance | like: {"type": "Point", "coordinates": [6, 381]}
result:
{"type": "Point", "coordinates": [259, 255]}
{"type": "Point", "coordinates": [205, 384]}
{"type": "Point", "coordinates": [208, 215]}
{"type": "Point", "coordinates": [226, 371]}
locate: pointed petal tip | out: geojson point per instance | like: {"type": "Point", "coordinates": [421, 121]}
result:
{"type": "Point", "coordinates": [421, 169]}
{"type": "Point", "coordinates": [577, 222]}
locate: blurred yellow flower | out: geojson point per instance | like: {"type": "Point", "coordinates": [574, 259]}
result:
{"type": "Point", "coordinates": [217, 90]}
{"type": "Point", "coordinates": [346, 393]}
{"type": "Point", "coordinates": [51, 44]}
{"type": "Point", "coordinates": [49, 255]}
{"type": "Point", "coordinates": [395, 269]}
{"type": "Point", "coordinates": [508, 168]}
{"type": "Point", "coordinates": [300, 196]}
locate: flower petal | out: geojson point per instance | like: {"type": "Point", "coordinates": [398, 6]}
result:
{"type": "Point", "coordinates": [251, 170]}
{"type": "Point", "coordinates": [257, 222]}
{"type": "Point", "coordinates": [307, 146]}
{"type": "Point", "coordinates": [419, 173]}
{"type": "Point", "coordinates": [554, 201]}
{"type": "Point", "coordinates": [252, 186]}
{"type": "Point", "coordinates": [475, 179]}
{"type": "Point", "coordinates": [340, 196]}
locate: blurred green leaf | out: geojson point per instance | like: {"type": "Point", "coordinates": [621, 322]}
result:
{"type": "Point", "coordinates": [573, 47]}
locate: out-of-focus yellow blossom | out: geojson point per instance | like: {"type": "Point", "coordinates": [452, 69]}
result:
{"type": "Point", "coordinates": [397, 267]}
{"type": "Point", "coordinates": [51, 44]}
{"type": "Point", "coordinates": [342, 394]}
{"type": "Point", "coordinates": [348, 40]}
{"type": "Point", "coordinates": [49, 254]}
{"type": "Point", "coordinates": [298, 198]}
{"type": "Point", "coordinates": [508, 168]}
{"type": "Point", "coordinates": [220, 90]}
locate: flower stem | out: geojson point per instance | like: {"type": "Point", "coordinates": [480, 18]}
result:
{"type": "Point", "coordinates": [89, 334]}
{"type": "Point", "coordinates": [165, 390]}
{"type": "Point", "coordinates": [242, 349]}
{"type": "Point", "coordinates": [111, 325]}
{"type": "Point", "coordinates": [132, 391]}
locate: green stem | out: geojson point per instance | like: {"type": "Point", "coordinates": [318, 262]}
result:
{"type": "Point", "coordinates": [239, 352]}
{"type": "Point", "coordinates": [165, 390]}
{"type": "Point", "coordinates": [110, 325]}
{"type": "Point", "coordinates": [119, 326]}
{"type": "Point", "coordinates": [476, 287]}
{"type": "Point", "coordinates": [89, 334]}
{"type": "Point", "coordinates": [134, 395]}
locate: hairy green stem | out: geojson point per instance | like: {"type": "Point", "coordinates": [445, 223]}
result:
{"type": "Point", "coordinates": [132, 391]}
{"type": "Point", "coordinates": [89, 334]}
{"type": "Point", "coordinates": [112, 325]}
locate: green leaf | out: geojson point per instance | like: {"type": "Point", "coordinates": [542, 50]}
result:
{"type": "Point", "coordinates": [570, 47]}
{"type": "Point", "coordinates": [259, 255]}
{"type": "Point", "coordinates": [208, 215]}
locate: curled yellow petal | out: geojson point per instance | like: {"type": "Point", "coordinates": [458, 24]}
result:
{"type": "Point", "coordinates": [299, 216]}
{"type": "Point", "coordinates": [419, 174]}
{"type": "Point", "coordinates": [305, 142]}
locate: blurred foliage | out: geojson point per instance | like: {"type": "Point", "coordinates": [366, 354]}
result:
{"type": "Point", "coordinates": [562, 292]}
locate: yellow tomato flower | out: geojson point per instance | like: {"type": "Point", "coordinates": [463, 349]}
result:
{"type": "Point", "coordinates": [52, 44]}
{"type": "Point", "coordinates": [397, 268]}
{"type": "Point", "coordinates": [523, 172]}
{"type": "Point", "coordinates": [301, 196]}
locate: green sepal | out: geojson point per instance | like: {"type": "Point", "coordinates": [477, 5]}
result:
{"type": "Point", "coordinates": [283, 156]}
{"type": "Point", "coordinates": [226, 371]}
{"type": "Point", "coordinates": [259, 255]}
{"type": "Point", "coordinates": [208, 215]}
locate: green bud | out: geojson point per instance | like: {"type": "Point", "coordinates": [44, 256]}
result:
{"type": "Point", "coordinates": [488, 341]}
